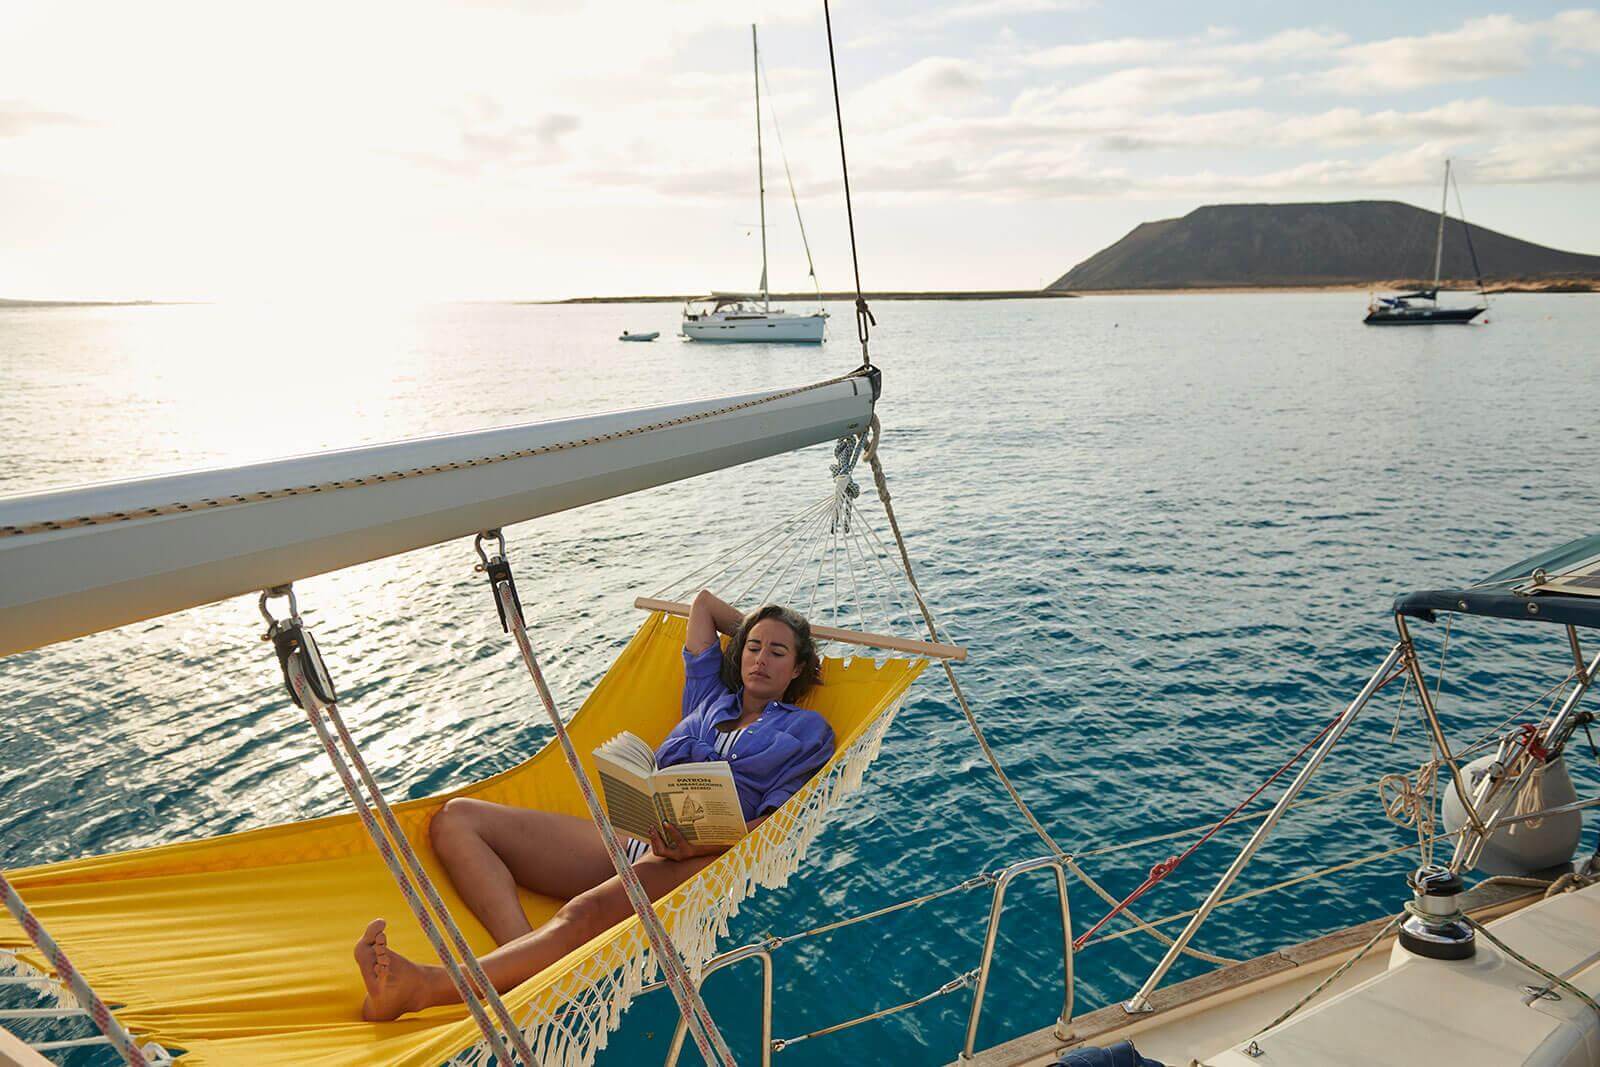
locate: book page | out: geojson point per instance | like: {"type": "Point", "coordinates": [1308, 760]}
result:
{"type": "Point", "coordinates": [628, 800]}
{"type": "Point", "coordinates": [700, 798]}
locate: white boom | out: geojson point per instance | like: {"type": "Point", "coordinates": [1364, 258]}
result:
{"type": "Point", "coordinates": [163, 544]}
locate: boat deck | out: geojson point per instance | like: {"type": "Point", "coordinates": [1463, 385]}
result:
{"type": "Point", "coordinates": [1212, 1011]}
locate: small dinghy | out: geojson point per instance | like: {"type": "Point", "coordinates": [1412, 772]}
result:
{"type": "Point", "coordinates": [651, 336]}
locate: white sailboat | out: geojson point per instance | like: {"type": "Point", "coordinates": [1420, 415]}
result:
{"type": "Point", "coordinates": [747, 317]}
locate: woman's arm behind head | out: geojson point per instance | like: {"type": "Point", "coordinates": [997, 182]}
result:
{"type": "Point", "coordinates": [709, 615]}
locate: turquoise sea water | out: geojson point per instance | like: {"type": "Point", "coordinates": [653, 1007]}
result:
{"type": "Point", "coordinates": [1168, 527]}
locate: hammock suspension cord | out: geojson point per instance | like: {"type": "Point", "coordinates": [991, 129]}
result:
{"type": "Point", "coordinates": [312, 690]}
{"type": "Point", "coordinates": [713, 1048]}
{"type": "Point", "coordinates": [107, 1024]}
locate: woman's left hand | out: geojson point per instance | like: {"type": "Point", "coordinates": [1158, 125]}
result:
{"type": "Point", "coordinates": [674, 846]}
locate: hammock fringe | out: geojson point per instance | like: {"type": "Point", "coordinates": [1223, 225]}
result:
{"type": "Point", "coordinates": [40, 983]}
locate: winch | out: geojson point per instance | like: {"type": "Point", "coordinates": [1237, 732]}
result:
{"type": "Point", "coordinates": [1435, 929]}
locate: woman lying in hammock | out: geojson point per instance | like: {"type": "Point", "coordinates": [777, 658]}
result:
{"type": "Point", "coordinates": [738, 706]}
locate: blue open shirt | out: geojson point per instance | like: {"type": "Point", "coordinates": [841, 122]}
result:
{"type": "Point", "coordinates": [771, 760]}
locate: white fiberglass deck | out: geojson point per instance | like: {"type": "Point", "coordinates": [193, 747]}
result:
{"type": "Point", "coordinates": [1390, 1007]}
{"type": "Point", "coordinates": [1482, 1012]}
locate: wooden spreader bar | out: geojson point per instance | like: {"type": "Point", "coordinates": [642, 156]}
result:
{"type": "Point", "coordinates": [931, 649]}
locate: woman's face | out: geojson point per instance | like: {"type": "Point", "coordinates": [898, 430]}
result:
{"type": "Point", "coordinates": [768, 663]}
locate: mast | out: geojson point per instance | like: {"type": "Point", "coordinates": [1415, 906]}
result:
{"type": "Point", "coordinates": [1438, 247]}
{"type": "Point", "coordinates": [761, 181]}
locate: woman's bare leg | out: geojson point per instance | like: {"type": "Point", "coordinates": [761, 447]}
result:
{"type": "Point", "coordinates": [396, 985]}
{"type": "Point", "coordinates": [490, 849]}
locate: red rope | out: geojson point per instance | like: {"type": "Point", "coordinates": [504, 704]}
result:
{"type": "Point", "coordinates": [1529, 735]}
{"type": "Point", "coordinates": [1171, 863]}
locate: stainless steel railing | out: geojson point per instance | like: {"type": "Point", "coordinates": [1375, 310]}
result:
{"type": "Point", "coordinates": [1002, 882]}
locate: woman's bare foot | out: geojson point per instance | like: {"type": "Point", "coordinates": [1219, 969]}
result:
{"type": "Point", "coordinates": [395, 985]}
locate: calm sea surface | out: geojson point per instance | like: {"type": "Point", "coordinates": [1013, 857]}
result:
{"type": "Point", "coordinates": [1168, 527]}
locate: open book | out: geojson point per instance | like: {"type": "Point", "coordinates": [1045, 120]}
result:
{"type": "Point", "coordinates": [699, 798]}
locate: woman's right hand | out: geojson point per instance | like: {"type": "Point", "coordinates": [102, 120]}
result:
{"type": "Point", "coordinates": [674, 846]}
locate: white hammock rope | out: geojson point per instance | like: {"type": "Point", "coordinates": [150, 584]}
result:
{"type": "Point", "coordinates": [825, 561]}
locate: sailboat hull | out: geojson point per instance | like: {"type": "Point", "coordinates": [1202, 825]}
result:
{"type": "Point", "coordinates": [1422, 316]}
{"type": "Point", "coordinates": [787, 329]}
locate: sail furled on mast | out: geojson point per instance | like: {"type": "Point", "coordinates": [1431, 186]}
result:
{"type": "Point", "coordinates": [761, 177]}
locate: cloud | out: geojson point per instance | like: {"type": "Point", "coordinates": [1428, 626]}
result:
{"type": "Point", "coordinates": [1576, 31]}
{"type": "Point", "coordinates": [486, 139]}
{"type": "Point", "coordinates": [997, 9]}
{"type": "Point", "coordinates": [1136, 88]}
{"type": "Point", "coordinates": [1081, 152]}
{"type": "Point", "coordinates": [1484, 47]}
{"type": "Point", "coordinates": [1572, 156]}
{"type": "Point", "coordinates": [937, 85]}
{"type": "Point", "coordinates": [18, 117]}
{"type": "Point", "coordinates": [1215, 45]}
{"type": "Point", "coordinates": [1113, 52]}
{"type": "Point", "coordinates": [1284, 47]}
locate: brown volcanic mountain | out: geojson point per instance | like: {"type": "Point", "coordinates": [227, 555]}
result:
{"type": "Point", "coordinates": [1359, 242]}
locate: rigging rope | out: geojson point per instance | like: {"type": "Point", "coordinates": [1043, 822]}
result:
{"type": "Point", "coordinates": [1553, 979]}
{"type": "Point", "coordinates": [864, 319]}
{"type": "Point", "coordinates": [794, 197]}
{"type": "Point", "coordinates": [107, 1024]}
{"type": "Point", "coordinates": [307, 679]}
{"type": "Point", "coordinates": [713, 1048]}
{"type": "Point", "coordinates": [961, 981]}
{"type": "Point", "coordinates": [1383, 931]}
{"type": "Point", "coordinates": [1160, 871]}
{"type": "Point", "coordinates": [1466, 228]}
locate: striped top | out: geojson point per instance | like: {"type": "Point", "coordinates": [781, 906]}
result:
{"type": "Point", "coordinates": [726, 742]}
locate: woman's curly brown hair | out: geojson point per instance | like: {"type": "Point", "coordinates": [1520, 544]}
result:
{"type": "Point", "coordinates": [805, 651]}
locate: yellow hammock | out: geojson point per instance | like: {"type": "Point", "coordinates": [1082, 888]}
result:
{"type": "Point", "coordinates": [238, 948]}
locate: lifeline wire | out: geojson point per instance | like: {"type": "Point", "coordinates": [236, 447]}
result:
{"type": "Point", "coordinates": [1160, 871]}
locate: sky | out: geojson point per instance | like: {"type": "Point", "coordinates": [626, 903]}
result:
{"type": "Point", "coordinates": [542, 149]}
